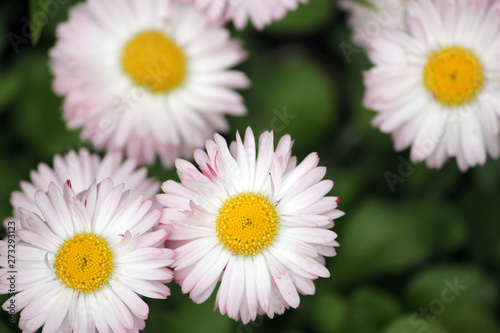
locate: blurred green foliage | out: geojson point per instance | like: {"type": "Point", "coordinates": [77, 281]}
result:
{"type": "Point", "coordinates": [401, 244]}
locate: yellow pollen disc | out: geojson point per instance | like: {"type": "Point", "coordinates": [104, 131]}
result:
{"type": "Point", "coordinates": [84, 262]}
{"type": "Point", "coordinates": [247, 224]}
{"type": "Point", "coordinates": [154, 61]}
{"type": "Point", "coordinates": [454, 76]}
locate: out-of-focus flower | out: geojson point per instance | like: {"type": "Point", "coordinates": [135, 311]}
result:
{"type": "Point", "coordinates": [260, 12]}
{"type": "Point", "coordinates": [369, 19]}
{"type": "Point", "coordinates": [146, 77]}
{"type": "Point", "coordinates": [436, 88]}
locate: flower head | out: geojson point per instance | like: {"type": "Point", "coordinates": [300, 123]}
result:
{"type": "Point", "coordinates": [260, 12]}
{"type": "Point", "coordinates": [82, 169]}
{"type": "Point", "coordinates": [254, 221]}
{"type": "Point", "coordinates": [369, 19]}
{"type": "Point", "coordinates": [83, 260]}
{"type": "Point", "coordinates": [436, 87]}
{"type": "Point", "coordinates": [146, 77]}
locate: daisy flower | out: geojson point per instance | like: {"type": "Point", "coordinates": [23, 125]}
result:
{"type": "Point", "coordinates": [255, 222]}
{"type": "Point", "coordinates": [146, 77]}
{"type": "Point", "coordinates": [369, 19]}
{"type": "Point", "coordinates": [82, 169]}
{"type": "Point", "coordinates": [82, 263]}
{"type": "Point", "coordinates": [260, 12]}
{"type": "Point", "coordinates": [436, 88]}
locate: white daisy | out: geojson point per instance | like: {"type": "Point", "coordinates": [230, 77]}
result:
{"type": "Point", "coordinates": [260, 12]}
{"type": "Point", "coordinates": [81, 263]}
{"type": "Point", "coordinates": [256, 223]}
{"type": "Point", "coordinates": [369, 19]}
{"type": "Point", "coordinates": [146, 76]}
{"type": "Point", "coordinates": [436, 88]}
{"type": "Point", "coordinates": [81, 170]}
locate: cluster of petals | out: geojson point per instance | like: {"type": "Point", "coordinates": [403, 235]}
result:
{"type": "Point", "coordinates": [83, 168]}
{"type": "Point", "coordinates": [270, 281]}
{"type": "Point", "coordinates": [368, 20]}
{"type": "Point", "coordinates": [413, 113]}
{"type": "Point", "coordinates": [118, 114]}
{"type": "Point", "coordinates": [260, 12]}
{"type": "Point", "coordinates": [140, 263]}
{"type": "Point", "coordinates": [152, 79]}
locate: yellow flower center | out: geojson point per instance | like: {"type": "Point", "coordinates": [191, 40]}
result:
{"type": "Point", "coordinates": [84, 262]}
{"type": "Point", "coordinates": [454, 76]}
{"type": "Point", "coordinates": [154, 61]}
{"type": "Point", "coordinates": [247, 224]}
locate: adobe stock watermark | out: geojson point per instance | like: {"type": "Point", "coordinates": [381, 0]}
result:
{"type": "Point", "coordinates": [249, 328]}
{"type": "Point", "coordinates": [419, 151]}
{"type": "Point", "coordinates": [421, 319]}
{"type": "Point", "coordinates": [11, 266]}
{"type": "Point", "coordinates": [405, 170]}
{"type": "Point", "coordinates": [380, 19]}
{"type": "Point", "coordinates": [424, 147]}
{"type": "Point", "coordinates": [39, 20]}
{"type": "Point", "coordinates": [280, 120]}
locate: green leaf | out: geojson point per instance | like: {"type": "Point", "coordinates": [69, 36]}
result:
{"type": "Point", "coordinates": [179, 314]}
{"type": "Point", "coordinates": [481, 210]}
{"type": "Point", "coordinates": [366, 3]}
{"type": "Point", "coordinates": [38, 18]}
{"type": "Point", "coordinates": [448, 225]}
{"type": "Point", "coordinates": [411, 324]}
{"type": "Point", "coordinates": [10, 87]}
{"type": "Point", "coordinates": [308, 18]}
{"type": "Point", "coordinates": [10, 183]}
{"type": "Point", "coordinates": [465, 316]}
{"type": "Point", "coordinates": [290, 94]}
{"type": "Point", "coordinates": [3, 31]}
{"type": "Point", "coordinates": [9, 15]}
{"type": "Point", "coordinates": [448, 283]}
{"type": "Point", "coordinates": [487, 177]}
{"type": "Point", "coordinates": [353, 62]}
{"type": "Point", "coordinates": [349, 182]}
{"type": "Point", "coordinates": [329, 313]}
{"type": "Point", "coordinates": [7, 327]}
{"type": "Point", "coordinates": [371, 310]}
{"type": "Point", "coordinates": [161, 174]}
{"type": "Point", "coordinates": [37, 114]}
{"type": "Point", "coordinates": [382, 238]}
{"type": "Point", "coordinates": [387, 237]}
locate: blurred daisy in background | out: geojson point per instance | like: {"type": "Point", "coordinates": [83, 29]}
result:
{"type": "Point", "coordinates": [437, 87]}
{"type": "Point", "coordinates": [82, 260]}
{"type": "Point", "coordinates": [147, 77]}
{"type": "Point", "coordinates": [82, 169]}
{"type": "Point", "coordinates": [370, 17]}
{"type": "Point", "coordinates": [260, 12]}
{"type": "Point", "coordinates": [255, 222]}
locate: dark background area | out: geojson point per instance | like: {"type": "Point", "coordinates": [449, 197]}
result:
{"type": "Point", "coordinates": [420, 248]}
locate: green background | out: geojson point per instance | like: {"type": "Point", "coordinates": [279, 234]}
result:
{"type": "Point", "coordinates": [402, 245]}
